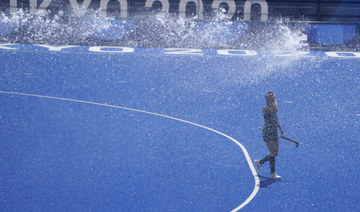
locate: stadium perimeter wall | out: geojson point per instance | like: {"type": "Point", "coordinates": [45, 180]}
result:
{"type": "Point", "coordinates": [319, 19]}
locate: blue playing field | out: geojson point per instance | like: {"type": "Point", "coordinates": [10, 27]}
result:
{"type": "Point", "coordinates": [156, 130]}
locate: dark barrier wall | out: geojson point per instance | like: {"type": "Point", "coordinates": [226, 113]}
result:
{"type": "Point", "coordinates": [263, 10]}
{"type": "Point", "coordinates": [327, 25]}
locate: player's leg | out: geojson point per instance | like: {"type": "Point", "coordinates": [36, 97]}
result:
{"type": "Point", "coordinates": [273, 147]}
{"type": "Point", "coordinates": [259, 163]}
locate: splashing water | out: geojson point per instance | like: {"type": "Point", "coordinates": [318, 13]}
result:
{"type": "Point", "coordinates": [60, 28]}
{"type": "Point", "coordinates": [165, 30]}
{"type": "Point", "coordinates": [290, 39]}
{"type": "Point", "coordinates": [90, 27]}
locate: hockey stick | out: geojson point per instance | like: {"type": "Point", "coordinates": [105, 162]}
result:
{"type": "Point", "coordinates": [286, 138]}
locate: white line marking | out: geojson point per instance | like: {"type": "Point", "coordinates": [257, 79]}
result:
{"type": "Point", "coordinates": [246, 154]}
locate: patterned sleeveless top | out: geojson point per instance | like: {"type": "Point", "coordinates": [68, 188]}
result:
{"type": "Point", "coordinates": [270, 119]}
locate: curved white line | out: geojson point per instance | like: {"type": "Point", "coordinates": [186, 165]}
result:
{"type": "Point", "coordinates": [248, 159]}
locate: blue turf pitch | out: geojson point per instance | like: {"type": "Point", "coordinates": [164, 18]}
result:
{"type": "Point", "coordinates": [84, 153]}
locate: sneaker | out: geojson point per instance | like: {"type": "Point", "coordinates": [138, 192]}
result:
{"type": "Point", "coordinates": [275, 176]}
{"type": "Point", "coordinates": [257, 166]}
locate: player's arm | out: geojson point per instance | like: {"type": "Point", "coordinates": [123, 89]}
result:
{"type": "Point", "coordinates": [279, 126]}
{"type": "Point", "coordinates": [277, 120]}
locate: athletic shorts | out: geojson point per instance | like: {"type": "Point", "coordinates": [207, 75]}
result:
{"type": "Point", "coordinates": [273, 147]}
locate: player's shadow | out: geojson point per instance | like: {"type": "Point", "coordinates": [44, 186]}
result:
{"type": "Point", "coordinates": [265, 182]}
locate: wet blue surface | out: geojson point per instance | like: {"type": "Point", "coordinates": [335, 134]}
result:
{"type": "Point", "coordinates": [59, 155]}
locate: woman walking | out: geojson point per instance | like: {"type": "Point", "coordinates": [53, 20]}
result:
{"type": "Point", "coordinates": [270, 133]}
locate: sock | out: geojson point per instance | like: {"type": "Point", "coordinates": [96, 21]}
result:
{"type": "Point", "coordinates": [272, 164]}
{"type": "Point", "coordinates": [266, 158]}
